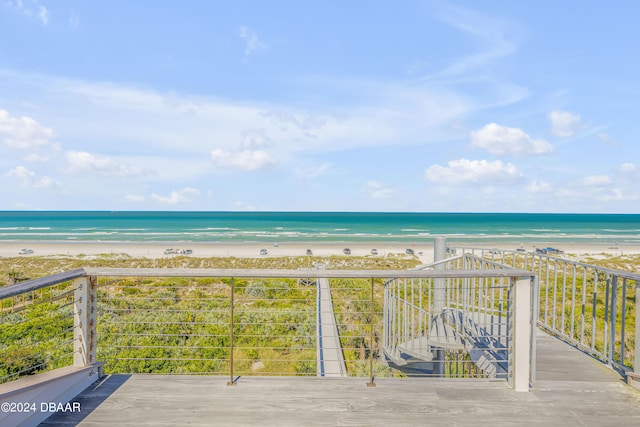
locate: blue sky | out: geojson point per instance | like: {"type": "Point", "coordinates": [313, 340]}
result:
{"type": "Point", "coordinates": [454, 106]}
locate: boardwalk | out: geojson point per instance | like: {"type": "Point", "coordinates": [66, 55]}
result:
{"type": "Point", "coordinates": [330, 358]}
{"type": "Point", "coordinates": [571, 389]}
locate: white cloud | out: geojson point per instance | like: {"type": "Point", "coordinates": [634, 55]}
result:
{"type": "Point", "coordinates": [19, 6]}
{"type": "Point", "coordinates": [242, 206]}
{"type": "Point", "coordinates": [36, 158]}
{"type": "Point", "coordinates": [252, 43]}
{"type": "Point", "coordinates": [496, 38]}
{"type": "Point", "coordinates": [255, 139]}
{"type": "Point", "coordinates": [244, 160]}
{"type": "Point", "coordinates": [135, 198]}
{"type": "Point", "coordinates": [74, 21]}
{"type": "Point", "coordinates": [177, 196]}
{"type": "Point", "coordinates": [597, 180]}
{"type": "Point", "coordinates": [305, 122]}
{"type": "Point", "coordinates": [539, 187]}
{"type": "Point", "coordinates": [616, 194]}
{"type": "Point", "coordinates": [83, 161]}
{"type": "Point", "coordinates": [627, 168]}
{"type": "Point", "coordinates": [312, 172]}
{"type": "Point", "coordinates": [23, 132]}
{"type": "Point", "coordinates": [30, 179]}
{"type": "Point", "coordinates": [43, 14]}
{"type": "Point", "coordinates": [607, 139]}
{"type": "Point", "coordinates": [376, 190]}
{"type": "Point", "coordinates": [564, 123]}
{"type": "Point", "coordinates": [502, 140]}
{"type": "Point", "coordinates": [463, 170]}
{"type": "Point", "coordinates": [379, 113]}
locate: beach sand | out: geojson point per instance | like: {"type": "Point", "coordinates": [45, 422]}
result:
{"type": "Point", "coordinates": [423, 250]}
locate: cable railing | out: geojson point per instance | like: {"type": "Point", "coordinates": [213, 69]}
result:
{"type": "Point", "coordinates": [144, 328]}
{"type": "Point", "coordinates": [238, 322]}
{"type": "Point", "coordinates": [590, 307]}
{"type": "Point", "coordinates": [37, 331]}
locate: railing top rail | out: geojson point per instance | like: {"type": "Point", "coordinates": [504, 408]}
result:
{"type": "Point", "coordinates": [54, 279]}
{"type": "Point", "coordinates": [437, 263]}
{"type": "Point", "coordinates": [41, 282]}
{"type": "Point", "coordinates": [294, 274]}
{"type": "Point", "coordinates": [464, 256]}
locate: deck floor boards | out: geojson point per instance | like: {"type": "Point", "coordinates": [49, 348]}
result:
{"type": "Point", "coordinates": [571, 389]}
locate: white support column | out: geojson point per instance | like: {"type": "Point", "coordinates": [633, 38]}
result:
{"type": "Point", "coordinates": [521, 324]}
{"type": "Point", "coordinates": [439, 300]}
{"type": "Point", "coordinates": [84, 321]}
{"type": "Point", "coordinates": [439, 287]}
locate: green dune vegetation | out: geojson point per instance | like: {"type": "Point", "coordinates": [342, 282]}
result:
{"type": "Point", "coordinates": [628, 263]}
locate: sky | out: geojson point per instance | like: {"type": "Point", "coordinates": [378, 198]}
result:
{"type": "Point", "coordinates": [333, 105]}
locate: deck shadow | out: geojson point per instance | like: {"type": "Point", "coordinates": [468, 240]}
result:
{"type": "Point", "coordinates": [90, 399]}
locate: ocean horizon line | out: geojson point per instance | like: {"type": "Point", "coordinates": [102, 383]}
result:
{"type": "Point", "coordinates": [311, 212]}
{"type": "Point", "coordinates": [225, 226]}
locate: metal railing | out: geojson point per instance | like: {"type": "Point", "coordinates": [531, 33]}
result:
{"type": "Point", "coordinates": [37, 331]}
{"type": "Point", "coordinates": [595, 309]}
{"type": "Point", "coordinates": [212, 321]}
{"type": "Point", "coordinates": [454, 327]}
{"type": "Point", "coordinates": [183, 326]}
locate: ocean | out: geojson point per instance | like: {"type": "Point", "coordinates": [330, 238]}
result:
{"type": "Point", "coordinates": [273, 227]}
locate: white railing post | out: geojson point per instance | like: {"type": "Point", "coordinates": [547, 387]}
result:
{"type": "Point", "coordinates": [439, 298]}
{"type": "Point", "coordinates": [522, 330]}
{"type": "Point", "coordinates": [439, 284]}
{"type": "Point", "coordinates": [84, 321]}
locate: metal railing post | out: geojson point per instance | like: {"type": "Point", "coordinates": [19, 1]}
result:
{"type": "Point", "coordinates": [84, 321]}
{"type": "Point", "coordinates": [535, 305]}
{"type": "Point", "coordinates": [371, 382]}
{"type": "Point", "coordinates": [613, 317]}
{"type": "Point", "coordinates": [522, 331]}
{"type": "Point", "coordinates": [231, 326]}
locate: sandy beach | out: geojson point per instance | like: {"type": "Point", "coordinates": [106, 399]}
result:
{"type": "Point", "coordinates": [423, 250]}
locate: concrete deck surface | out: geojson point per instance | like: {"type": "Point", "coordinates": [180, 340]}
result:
{"type": "Point", "coordinates": [571, 389]}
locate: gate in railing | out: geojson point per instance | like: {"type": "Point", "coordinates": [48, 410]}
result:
{"type": "Point", "coordinates": [594, 309]}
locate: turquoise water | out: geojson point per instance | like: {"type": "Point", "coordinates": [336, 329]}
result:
{"type": "Point", "coordinates": [316, 227]}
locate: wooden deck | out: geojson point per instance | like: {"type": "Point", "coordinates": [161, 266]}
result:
{"type": "Point", "coordinates": [330, 358]}
{"type": "Point", "coordinates": [571, 389]}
